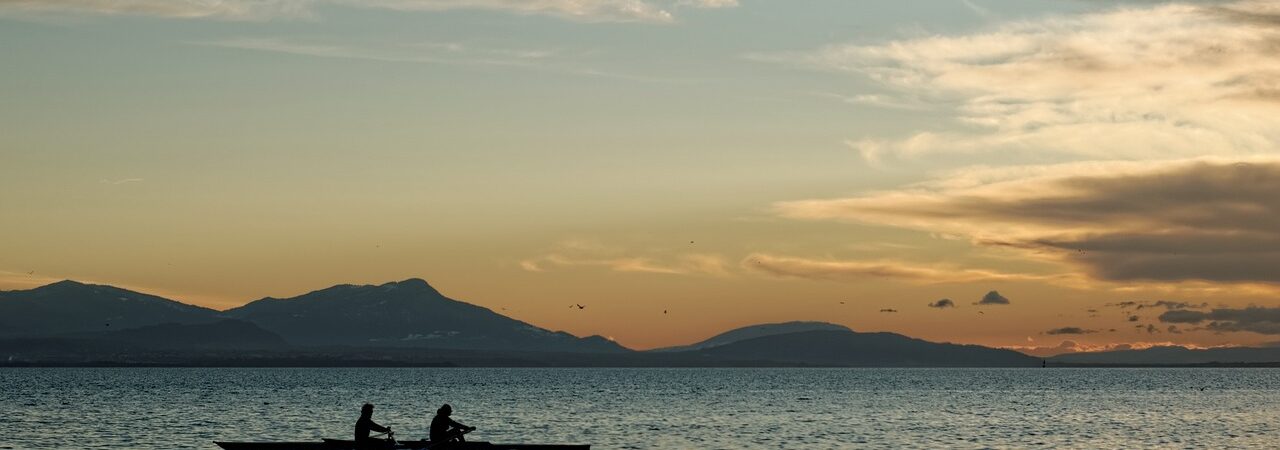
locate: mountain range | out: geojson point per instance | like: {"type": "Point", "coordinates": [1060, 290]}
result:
{"type": "Point", "coordinates": [411, 323]}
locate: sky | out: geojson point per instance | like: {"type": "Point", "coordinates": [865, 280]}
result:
{"type": "Point", "coordinates": [1046, 175]}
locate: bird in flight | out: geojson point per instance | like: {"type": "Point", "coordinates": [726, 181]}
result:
{"type": "Point", "coordinates": [578, 305]}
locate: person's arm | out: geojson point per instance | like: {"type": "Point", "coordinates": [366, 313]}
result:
{"type": "Point", "coordinates": [379, 428]}
{"type": "Point", "coordinates": [457, 424]}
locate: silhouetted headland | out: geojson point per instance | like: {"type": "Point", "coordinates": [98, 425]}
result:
{"type": "Point", "coordinates": [411, 324]}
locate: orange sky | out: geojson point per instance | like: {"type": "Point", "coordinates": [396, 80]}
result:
{"type": "Point", "coordinates": [827, 164]}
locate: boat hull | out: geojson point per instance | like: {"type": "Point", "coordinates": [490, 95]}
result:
{"type": "Point", "coordinates": [334, 444]}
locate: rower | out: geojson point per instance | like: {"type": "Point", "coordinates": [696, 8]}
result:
{"type": "Point", "coordinates": [444, 429]}
{"type": "Point", "coordinates": [366, 424]}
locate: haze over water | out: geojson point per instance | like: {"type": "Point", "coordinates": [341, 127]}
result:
{"type": "Point", "coordinates": [652, 408]}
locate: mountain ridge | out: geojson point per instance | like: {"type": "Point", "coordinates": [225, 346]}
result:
{"type": "Point", "coordinates": [341, 315]}
{"type": "Point", "coordinates": [753, 331]}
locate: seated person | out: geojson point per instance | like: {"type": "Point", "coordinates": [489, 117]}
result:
{"type": "Point", "coordinates": [366, 424]}
{"type": "Point", "coordinates": [444, 429]}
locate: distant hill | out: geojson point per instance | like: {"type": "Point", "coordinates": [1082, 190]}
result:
{"type": "Point", "coordinates": [755, 331]}
{"type": "Point", "coordinates": [409, 313]}
{"type": "Point", "coordinates": [852, 349]}
{"type": "Point", "coordinates": [71, 307]}
{"type": "Point", "coordinates": [1173, 355]}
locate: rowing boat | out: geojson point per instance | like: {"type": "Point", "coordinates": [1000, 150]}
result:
{"type": "Point", "coordinates": [334, 444]}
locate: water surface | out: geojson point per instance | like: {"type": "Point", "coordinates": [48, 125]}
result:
{"type": "Point", "coordinates": [652, 408]}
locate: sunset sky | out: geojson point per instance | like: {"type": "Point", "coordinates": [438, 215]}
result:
{"type": "Point", "coordinates": [1110, 168]}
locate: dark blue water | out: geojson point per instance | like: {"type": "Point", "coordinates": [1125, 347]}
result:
{"type": "Point", "coordinates": [653, 408]}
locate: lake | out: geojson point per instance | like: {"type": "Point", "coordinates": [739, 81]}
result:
{"type": "Point", "coordinates": [651, 408]}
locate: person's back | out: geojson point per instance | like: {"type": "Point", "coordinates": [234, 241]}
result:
{"type": "Point", "coordinates": [365, 425]}
{"type": "Point", "coordinates": [444, 429]}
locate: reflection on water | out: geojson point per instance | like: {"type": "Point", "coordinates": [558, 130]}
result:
{"type": "Point", "coordinates": [652, 408]}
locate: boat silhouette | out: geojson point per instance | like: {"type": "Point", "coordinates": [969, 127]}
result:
{"type": "Point", "coordinates": [342, 444]}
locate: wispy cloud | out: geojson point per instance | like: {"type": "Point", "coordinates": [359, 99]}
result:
{"type": "Point", "coordinates": [587, 253]}
{"type": "Point", "coordinates": [536, 59]}
{"type": "Point", "coordinates": [852, 270]}
{"type": "Point", "coordinates": [1069, 330]}
{"type": "Point", "coordinates": [1153, 80]}
{"type": "Point", "coordinates": [643, 11]}
{"type": "Point", "coordinates": [581, 10]}
{"type": "Point", "coordinates": [184, 9]}
{"type": "Point", "coordinates": [902, 101]}
{"type": "Point", "coordinates": [708, 4]}
{"type": "Point", "coordinates": [1166, 304]}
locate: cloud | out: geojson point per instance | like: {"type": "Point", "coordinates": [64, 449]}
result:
{"type": "Point", "coordinates": [708, 4]}
{"type": "Point", "coordinates": [450, 53]}
{"type": "Point", "coordinates": [943, 303]}
{"type": "Point", "coordinates": [993, 298]}
{"type": "Point", "coordinates": [850, 270]}
{"type": "Point", "coordinates": [901, 102]}
{"type": "Point", "coordinates": [1079, 347]}
{"type": "Point", "coordinates": [1204, 219]}
{"type": "Point", "coordinates": [182, 9]}
{"type": "Point", "coordinates": [580, 10]}
{"type": "Point", "coordinates": [1154, 80]}
{"type": "Point", "coordinates": [1069, 330]}
{"type": "Point", "coordinates": [586, 253]}
{"type": "Point", "coordinates": [1254, 319]}
{"type": "Point", "coordinates": [576, 10]}
{"type": "Point", "coordinates": [1166, 304]}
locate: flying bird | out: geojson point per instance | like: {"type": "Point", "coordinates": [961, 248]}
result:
{"type": "Point", "coordinates": [579, 306]}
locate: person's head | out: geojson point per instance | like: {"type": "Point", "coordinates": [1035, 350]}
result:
{"type": "Point", "coordinates": [445, 410]}
{"type": "Point", "coordinates": [366, 410]}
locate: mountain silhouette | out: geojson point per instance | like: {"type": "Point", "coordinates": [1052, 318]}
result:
{"type": "Point", "coordinates": [852, 349]}
{"type": "Point", "coordinates": [409, 313]}
{"type": "Point", "coordinates": [1173, 355]}
{"type": "Point", "coordinates": [755, 331]}
{"type": "Point", "coordinates": [226, 334]}
{"type": "Point", "coordinates": [72, 307]}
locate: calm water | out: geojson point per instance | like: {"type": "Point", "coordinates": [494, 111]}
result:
{"type": "Point", "coordinates": [653, 408]}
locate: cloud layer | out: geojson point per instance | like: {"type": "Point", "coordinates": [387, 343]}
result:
{"type": "Point", "coordinates": [1204, 220]}
{"type": "Point", "coordinates": [1259, 320]}
{"type": "Point", "coordinates": [1150, 80]}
